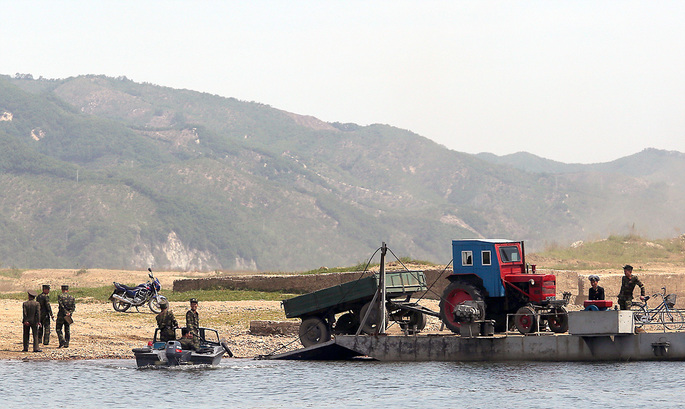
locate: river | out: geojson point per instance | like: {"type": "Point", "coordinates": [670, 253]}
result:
{"type": "Point", "coordinates": [246, 383]}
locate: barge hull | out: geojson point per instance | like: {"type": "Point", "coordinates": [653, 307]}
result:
{"type": "Point", "coordinates": [558, 347]}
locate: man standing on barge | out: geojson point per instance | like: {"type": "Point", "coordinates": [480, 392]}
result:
{"type": "Point", "coordinates": [628, 283]}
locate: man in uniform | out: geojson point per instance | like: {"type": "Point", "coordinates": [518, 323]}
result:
{"type": "Point", "coordinates": [45, 315]}
{"type": "Point", "coordinates": [67, 306]}
{"type": "Point", "coordinates": [193, 322]}
{"type": "Point", "coordinates": [596, 292]}
{"type": "Point", "coordinates": [166, 322]}
{"type": "Point", "coordinates": [188, 341]}
{"type": "Point", "coordinates": [31, 321]}
{"type": "Point", "coordinates": [628, 283]}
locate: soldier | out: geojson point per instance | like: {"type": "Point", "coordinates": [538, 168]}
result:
{"type": "Point", "coordinates": [193, 323]}
{"type": "Point", "coordinates": [45, 315]}
{"type": "Point", "coordinates": [31, 321]}
{"type": "Point", "coordinates": [166, 322]}
{"type": "Point", "coordinates": [628, 283]}
{"type": "Point", "coordinates": [188, 341]}
{"type": "Point", "coordinates": [67, 306]}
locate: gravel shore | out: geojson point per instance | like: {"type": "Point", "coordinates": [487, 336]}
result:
{"type": "Point", "coordinates": [99, 332]}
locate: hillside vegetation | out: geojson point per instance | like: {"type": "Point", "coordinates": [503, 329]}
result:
{"type": "Point", "coordinates": [613, 252]}
{"type": "Point", "coordinates": [101, 172]}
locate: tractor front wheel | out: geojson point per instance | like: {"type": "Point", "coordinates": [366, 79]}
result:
{"type": "Point", "coordinates": [526, 320]}
{"type": "Point", "coordinates": [558, 320]}
{"type": "Point", "coordinates": [456, 293]}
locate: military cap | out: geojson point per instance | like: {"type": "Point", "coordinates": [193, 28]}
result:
{"type": "Point", "coordinates": [164, 303]}
{"type": "Point", "coordinates": [32, 293]}
{"type": "Point", "coordinates": [65, 287]}
{"type": "Point", "coordinates": [193, 300]}
{"type": "Point", "coordinates": [628, 267]}
{"type": "Point", "coordinates": [593, 277]}
{"type": "Point", "coordinates": [46, 286]}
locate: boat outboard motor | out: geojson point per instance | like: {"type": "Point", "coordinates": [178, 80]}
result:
{"type": "Point", "coordinates": [175, 354]}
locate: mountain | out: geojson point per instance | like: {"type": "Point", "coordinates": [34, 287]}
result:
{"type": "Point", "coordinates": [106, 172]}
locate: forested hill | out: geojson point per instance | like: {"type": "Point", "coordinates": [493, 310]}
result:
{"type": "Point", "coordinates": [106, 172]}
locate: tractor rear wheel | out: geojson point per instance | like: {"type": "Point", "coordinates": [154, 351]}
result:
{"type": "Point", "coordinates": [525, 320]}
{"type": "Point", "coordinates": [456, 293]}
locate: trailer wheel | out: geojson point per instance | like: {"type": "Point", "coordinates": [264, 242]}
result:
{"type": "Point", "coordinates": [456, 293]}
{"type": "Point", "coordinates": [374, 317]}
{"type": "Point", "coordinates": [347, 324]}
{"type": "Point", "coordinates": [314, 331]}
{"type": "Point", "coordinates": [417, 320]}
{"type": "Point", "coordinates": [558, 320]}
{"type": "Point", "coordinates": [525, 320]}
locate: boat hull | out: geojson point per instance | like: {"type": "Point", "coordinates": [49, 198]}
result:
{"type": "Point", "coordinates": [146, 357]}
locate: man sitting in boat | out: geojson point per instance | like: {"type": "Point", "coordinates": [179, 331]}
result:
{"type": "Point", "coordinates": [188, 340]}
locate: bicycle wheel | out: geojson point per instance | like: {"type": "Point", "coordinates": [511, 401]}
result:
{"type": "Point", "coordinates": [672, 319]}
{"type": "Point", "coordinates": [640, 315]}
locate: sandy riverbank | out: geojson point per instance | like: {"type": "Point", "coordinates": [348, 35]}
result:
{"type": "Point", "coordinates": [99, 332]}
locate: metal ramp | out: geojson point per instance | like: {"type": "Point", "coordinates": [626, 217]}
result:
{"type": "Point", "coordinates": [327, 351]}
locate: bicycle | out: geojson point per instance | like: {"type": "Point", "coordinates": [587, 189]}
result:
{"type": "Point", "coordinates": [663, 314]}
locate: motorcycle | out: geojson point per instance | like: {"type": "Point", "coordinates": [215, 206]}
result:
{"type": "Point", "coordinates": [123, 296]}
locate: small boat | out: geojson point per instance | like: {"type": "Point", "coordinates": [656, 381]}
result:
{"type": "Point", "coordinates": [172, 353]}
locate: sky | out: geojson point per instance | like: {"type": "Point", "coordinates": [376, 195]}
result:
{"type": "Point", "coordinates": [572, 81]}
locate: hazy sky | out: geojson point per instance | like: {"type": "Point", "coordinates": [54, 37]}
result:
{"type": "Point", "coordinates": [573, 81]}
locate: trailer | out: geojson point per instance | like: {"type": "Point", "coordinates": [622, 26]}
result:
{"type": "Point", "coordinates": [353, 300]}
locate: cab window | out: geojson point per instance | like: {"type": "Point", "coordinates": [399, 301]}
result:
{"type": "Point", "coordinates": [509, 254]}
{"type": "Point", "coordinates": [485, 254]}
{"type": "Point", "coordinates": [466, 258]}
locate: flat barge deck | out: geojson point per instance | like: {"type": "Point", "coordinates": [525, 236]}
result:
{"type": "Point", "coordinates": [595, 336]}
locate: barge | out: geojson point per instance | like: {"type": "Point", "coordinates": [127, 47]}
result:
{"type": "Point", "coordinates": [593, 336]}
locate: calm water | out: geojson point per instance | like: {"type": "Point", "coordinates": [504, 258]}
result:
{"type": "Point", "coordinates": [242, 383]}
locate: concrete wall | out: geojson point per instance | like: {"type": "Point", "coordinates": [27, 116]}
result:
{"type": "Point", "coordinates": [575, 283]}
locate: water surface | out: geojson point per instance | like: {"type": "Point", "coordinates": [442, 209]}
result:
{"type": "Point", "coordinates": [245, 383]}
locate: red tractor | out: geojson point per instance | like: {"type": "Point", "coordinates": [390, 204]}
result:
{"type": "Point", "coordinates": [493, 273]}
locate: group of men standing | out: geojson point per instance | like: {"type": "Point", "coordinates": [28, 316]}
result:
{"type": "Point", "coordinates": [167, 324]}
{"type": "Point", "coordinates": [625, 294]}
{"type": "Point", "coordinates": [37, 314]}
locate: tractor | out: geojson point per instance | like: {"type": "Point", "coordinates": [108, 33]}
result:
{"type": "Point", "coordinates": [494, 274]}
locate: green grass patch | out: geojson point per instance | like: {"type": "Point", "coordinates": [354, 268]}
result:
{"type": "Point", "coordinates": [242, 318]}
{"type": "Point", "coordinates": [226, 295]}
{"type": "Point", "coordinates": [101, 295]}
{"type": "Point", "coordinates": [364, 266]}
{"type": "Point", "coordinates": [614, 251]}
{"type": "Point", "coordinates": [11, 272]}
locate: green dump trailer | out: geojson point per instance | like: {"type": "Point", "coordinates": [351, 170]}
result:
{"type": "Point", "coordinates": [318, 309]}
